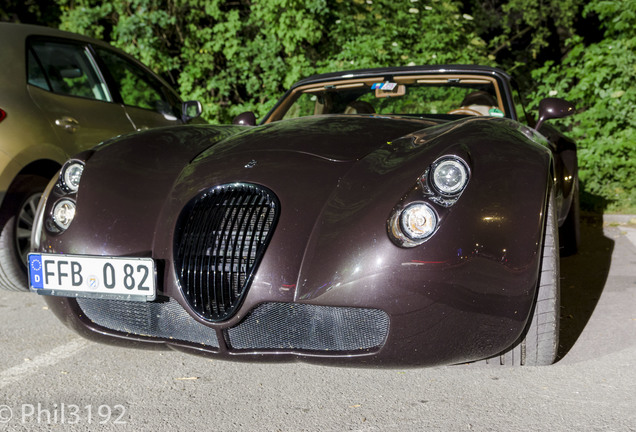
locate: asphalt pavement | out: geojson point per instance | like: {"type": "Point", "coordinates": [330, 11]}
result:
{"type": "Point", "coordinates": [51, 379]}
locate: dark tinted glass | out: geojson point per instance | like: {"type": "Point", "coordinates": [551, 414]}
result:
{"type": "Point", "coordinates": [65, 68]}
{"type": "Point", "coordinates": [137, 87]}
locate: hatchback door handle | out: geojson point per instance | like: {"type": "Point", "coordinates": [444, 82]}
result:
{"type": "Point", "coordinates": [69, 124]}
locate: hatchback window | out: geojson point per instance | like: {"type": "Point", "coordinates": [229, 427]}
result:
{"type": "Point", "coordinates": [66, 69]}
{"type": "Point", "coordinates": [36, 74]}
{"type": "Point", "coordinates": [137, 87]}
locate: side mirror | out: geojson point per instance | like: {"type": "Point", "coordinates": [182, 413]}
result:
{"type": "Point", "coordinates": [190, 110]}
{"type": "Point", "coordinates": [245, 119]}
{"type": "Point", "coordinates": [553, 108]}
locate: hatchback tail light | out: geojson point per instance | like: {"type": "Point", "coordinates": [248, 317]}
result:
{"type": "Point", "coordinates": [3, 114]}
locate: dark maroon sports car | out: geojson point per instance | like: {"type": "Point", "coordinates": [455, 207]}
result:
{"type": "Point", "coordinates": [384, 217]}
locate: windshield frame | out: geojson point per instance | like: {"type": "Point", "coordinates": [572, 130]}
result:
{"type": "Point", "coordinates": [352, 81]}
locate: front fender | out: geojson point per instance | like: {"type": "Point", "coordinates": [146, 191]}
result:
{"type": "Point", "coordinates": [478, 271]}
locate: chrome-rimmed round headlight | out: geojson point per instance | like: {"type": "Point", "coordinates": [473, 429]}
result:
{"type": "Point", "coordinates": [449, 176]}
{"type": "Point", "coordinates": [418, 221]}
{"type": "Point", "coordinates": [71, 175]}
{"type": "Point", "coordinates": [63, 213]}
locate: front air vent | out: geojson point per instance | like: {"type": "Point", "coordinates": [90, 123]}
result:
{"type": "Point", "coordinates": [165, 320]}
{"type": "Point", "coordinates": [297, 327]}
{"type": "Point", "coordinates": [220, 239]}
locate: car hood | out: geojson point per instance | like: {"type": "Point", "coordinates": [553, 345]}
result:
{"type": "Point", "coordinates": [333, 137]}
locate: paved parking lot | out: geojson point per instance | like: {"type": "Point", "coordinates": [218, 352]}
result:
{"type": "Point", "coordinates": [50, 379]}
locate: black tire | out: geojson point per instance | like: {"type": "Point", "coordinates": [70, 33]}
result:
{"type": "Point", "coordinates": [541, 342]}
{"type": "Point", "coordinates": [16, 224]}
{"type": "Point", "coordinates": [570, 231]}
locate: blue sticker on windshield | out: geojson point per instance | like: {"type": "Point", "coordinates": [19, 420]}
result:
{"type": "Point", "coordinates": [386, 86]}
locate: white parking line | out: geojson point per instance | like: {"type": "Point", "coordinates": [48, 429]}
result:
{"type": "Point", "coordinates": [50, 358]}
{"type": "Point", "coordinates": [631, 234]}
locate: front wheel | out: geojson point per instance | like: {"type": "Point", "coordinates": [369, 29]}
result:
{"type": "Point", "coordinates": [541, 342]}
{"type": "Point", "coordinates": [16, 221]}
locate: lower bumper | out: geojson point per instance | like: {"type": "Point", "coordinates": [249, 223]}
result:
{"type": "Point", "coordinates": [282, 332]}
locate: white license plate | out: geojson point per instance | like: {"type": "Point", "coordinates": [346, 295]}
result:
{"type": "Point", "coordinates": [91, 276]}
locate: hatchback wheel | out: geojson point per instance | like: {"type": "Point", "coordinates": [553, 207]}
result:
{"type": "Point", "coordinates": [16, 219]}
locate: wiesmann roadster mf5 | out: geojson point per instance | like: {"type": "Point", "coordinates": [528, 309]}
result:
{"type": "Point", "coordinates": [385, 217]}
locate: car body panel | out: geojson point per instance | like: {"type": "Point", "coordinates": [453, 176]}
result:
{"type": "Point", "coordinates": [89, 121]}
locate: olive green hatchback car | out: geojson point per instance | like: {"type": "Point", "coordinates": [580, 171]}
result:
{"type": "Point", "coordinates": [61, 93]}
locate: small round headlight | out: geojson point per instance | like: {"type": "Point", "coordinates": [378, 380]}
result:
{"type": "Point", "coordinates": [71, 175]}
{"type": "Point", "coordinates": [63, 213]}
{"type": "Point", "coordinates": [449, 176]}
{"type": "Point", "coordinates": [418, 221]}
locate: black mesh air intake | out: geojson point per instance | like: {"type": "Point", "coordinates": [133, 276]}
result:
{"type": "Point", "coordinates": [220, 239]}
{"type": "Point", "coordinates": [167, 320]}
{"type": "Point", "coordinates": [303, 327]}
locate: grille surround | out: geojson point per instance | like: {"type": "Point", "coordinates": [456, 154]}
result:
{"type": "Point", "coordinates": [220, 239]}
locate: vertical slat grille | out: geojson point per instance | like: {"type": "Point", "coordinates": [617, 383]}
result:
{"type": "Point", "coordinates": [220, 239]}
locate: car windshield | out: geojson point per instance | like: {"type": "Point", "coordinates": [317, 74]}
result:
{"type": "Point", "coordinates": [436, 96]}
